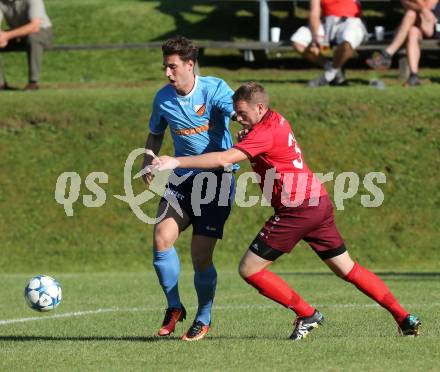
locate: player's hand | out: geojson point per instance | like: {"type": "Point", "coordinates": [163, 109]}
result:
{"type": "Point", "coordinates": [147, 167]}
{"type": "Point", "coordinates": [241, 134]}
{"type": "Point", "coordinates": [148, 178]}
{"type": "Point", "coordinates": [146, 173]}
{"type": "Point", "coordinates": [165, 163]}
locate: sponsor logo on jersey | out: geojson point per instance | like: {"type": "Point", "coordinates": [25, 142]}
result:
{"type": "Point", "coordinates": [189, 131]}
{"type": "Point", "coordinates": [200, 109]}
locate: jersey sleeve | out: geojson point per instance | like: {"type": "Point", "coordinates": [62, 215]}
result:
{"type": "Point", "coordinates": [257, 141]}
{"type": "Point", "coordinates": [157, 123]}
{"type": "Point", "coordinates": [36, 9]}
{"type": "Point", "coordinates": [222, 99]}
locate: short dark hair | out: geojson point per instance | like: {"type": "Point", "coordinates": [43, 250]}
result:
{"type": "Point", "coordinates": [251, 93]}
{"type": "Point", "coordinates": [181, 46]}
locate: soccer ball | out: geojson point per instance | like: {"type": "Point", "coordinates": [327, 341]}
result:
{"type": "Point", "coordinates": [43, 293]}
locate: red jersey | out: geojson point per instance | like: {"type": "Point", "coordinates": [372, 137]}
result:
{"type": "Point", "coordinates": [271, 147]}
{"type": "Point", "coordinates": [341, 8]}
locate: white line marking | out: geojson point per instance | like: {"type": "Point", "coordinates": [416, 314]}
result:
{"type": "Point", "coordinates": [219, 307]}
{"type": "Point", "coordinates": [68, 315]}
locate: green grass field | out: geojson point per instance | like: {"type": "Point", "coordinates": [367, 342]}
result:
{"type": "Point", "coordinates": [108, 322]}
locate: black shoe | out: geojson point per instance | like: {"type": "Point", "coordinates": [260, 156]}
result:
{"type": "Point", "coordinates": [410, 326]}
{"type": "Point", "coordinates": [305, 325]}
{"type": "Point", "coordinates": [196, 332]}
{"type": "Point", "coordinates": [413, 81]}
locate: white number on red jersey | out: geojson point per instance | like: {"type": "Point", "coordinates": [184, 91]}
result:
{"type": "Point", "coordinates": [297, 163]}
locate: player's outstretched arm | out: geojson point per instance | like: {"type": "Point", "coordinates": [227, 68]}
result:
{"type": "Point", "coordinates": [154, 143]}
{"type": "Point", "coordinates": [206, 161]}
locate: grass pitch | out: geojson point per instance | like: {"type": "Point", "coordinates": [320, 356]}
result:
{"type": "Point", "coordinates": [108, 321]}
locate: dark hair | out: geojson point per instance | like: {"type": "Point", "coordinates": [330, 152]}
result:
{"type": "Point", "coordinates": [251, 93]}
{"type": "Point", "coordinates": [181, 46]}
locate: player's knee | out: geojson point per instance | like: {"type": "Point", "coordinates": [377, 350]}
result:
{"type": "Point", "coordinates": [162, 241]}
{"type": "Point", "coordinates": [244, 269]}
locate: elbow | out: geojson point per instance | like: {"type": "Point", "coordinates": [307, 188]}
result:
{"type": "Point", "coordinates": [35, 25]}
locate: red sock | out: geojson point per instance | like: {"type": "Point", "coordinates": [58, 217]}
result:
{"type": "Point", "coordinates": [275, 288]}
{"type": "Point", "coordinates": [375, 288]}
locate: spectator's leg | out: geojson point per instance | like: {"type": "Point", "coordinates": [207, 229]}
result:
{"type": "Point", "coordinates": [427, 22]}
{"type": "Point", "coordinates": [408, 20]}
{"type": "Point", "coordinates": [36, 44]}
{"type": "Point", "coordinates": [413, 54]}
{"type": "Point", "coordinates": [343, 53]}
{"type": "Point", "coordinates": [413, 49]}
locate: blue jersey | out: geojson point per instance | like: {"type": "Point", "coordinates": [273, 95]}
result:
{"type": "Point", "coordinates": [199, 121]}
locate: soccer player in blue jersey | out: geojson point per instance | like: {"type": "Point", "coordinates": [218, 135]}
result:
{"type": "Point", "coordinates": [197, 111]}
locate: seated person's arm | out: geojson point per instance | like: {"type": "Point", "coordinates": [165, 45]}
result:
{"type": "Point", "coordinates": [315, 20]}
{"type": "Point", "coordinates": [27, 29]}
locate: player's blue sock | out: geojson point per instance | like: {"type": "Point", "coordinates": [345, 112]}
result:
{"type": "Point", "coordinates": [205, 283]}
{"type": "Point", "coordinates": [167, 266]}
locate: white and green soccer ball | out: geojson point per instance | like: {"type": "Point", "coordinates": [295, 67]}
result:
{"type": "Point", "coordinates": [42, 293]}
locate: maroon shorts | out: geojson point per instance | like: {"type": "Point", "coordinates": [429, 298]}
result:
{"type": "Point", "coordinates": [313, 224]}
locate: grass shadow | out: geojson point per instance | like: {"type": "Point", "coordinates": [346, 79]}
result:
{"type": "Point", "coordinates": [31, 338]}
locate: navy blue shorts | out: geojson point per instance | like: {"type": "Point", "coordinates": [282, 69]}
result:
{"type": "Point", "coordinates": [207, 199]}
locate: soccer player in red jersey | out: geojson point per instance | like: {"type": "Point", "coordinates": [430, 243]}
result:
{"type": "Point", "coordinates": [303, 211]}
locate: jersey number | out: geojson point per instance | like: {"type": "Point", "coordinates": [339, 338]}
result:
{"type": "Point", "coordinates": [297, 163]}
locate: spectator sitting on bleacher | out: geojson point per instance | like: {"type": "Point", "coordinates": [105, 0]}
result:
{"type": "Point", "coordinates": [341, 26]}
{"type": "Point", "coordinates": [418, 21]}
{"type": "Point", "coordinates": [29, 29]}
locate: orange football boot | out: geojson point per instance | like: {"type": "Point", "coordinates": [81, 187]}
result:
{"type": "Point", "coordinates": [196, 332]}
{"type": "Point", "coordinates": [172, 316]}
